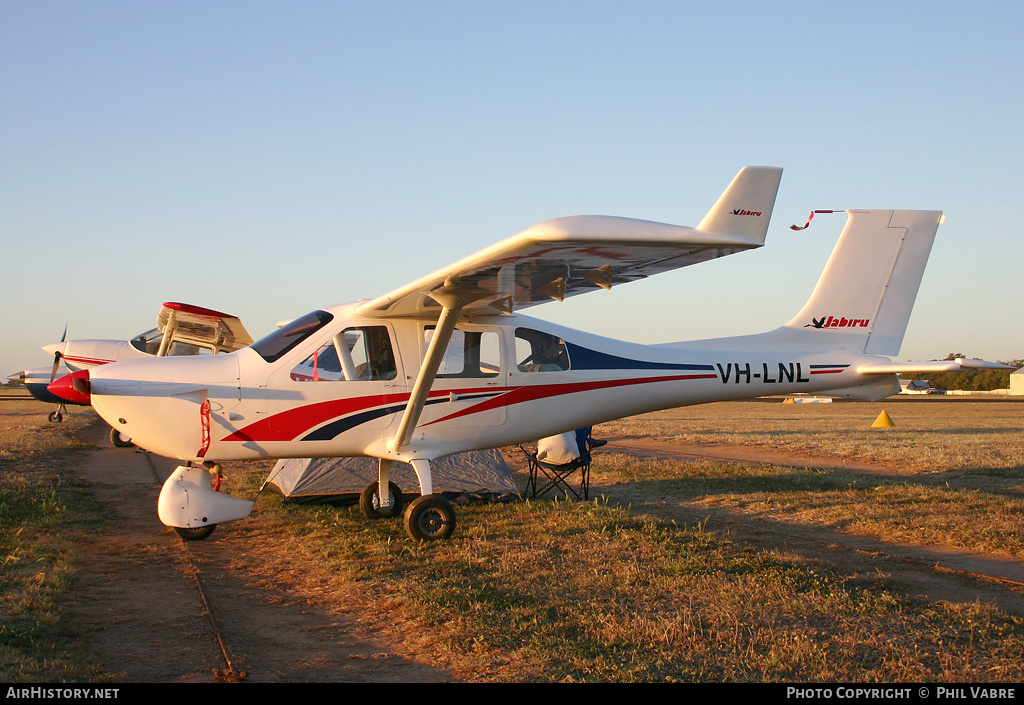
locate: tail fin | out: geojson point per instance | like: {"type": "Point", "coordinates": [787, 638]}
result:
{"type": "Point", "coordinates": [865, 295]}
{"type": "Point", "coordinates": [746, 206]}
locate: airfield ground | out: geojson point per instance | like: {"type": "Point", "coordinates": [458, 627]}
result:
{"type": "Point", "coordinates": [253, 602]}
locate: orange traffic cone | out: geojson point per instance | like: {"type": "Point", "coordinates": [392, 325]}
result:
{"type": "Point", "coordinates": [883, 421]}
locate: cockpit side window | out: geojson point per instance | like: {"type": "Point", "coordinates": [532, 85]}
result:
{"type": "Point", "coordinates": [537, 351]}
{"type": "Point", "coordinates": [273, 346]}
{"type": "Point", "coordinates": [355, 354]}
{"type": "Point", "coordinates": [469, 353]}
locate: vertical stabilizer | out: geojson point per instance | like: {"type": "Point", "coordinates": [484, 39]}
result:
{"type": "Point", "coordinates": [746, 206]}
{"type": "Point", "coordinates": [866, 293]}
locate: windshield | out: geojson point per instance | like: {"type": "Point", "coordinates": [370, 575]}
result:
{"type": "Point", "coordinates": [148, 342]}
{"type": "Point", "coordinates": [272, 347]}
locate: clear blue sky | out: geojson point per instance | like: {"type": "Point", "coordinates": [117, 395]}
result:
{"type": "Point", "coordinates": [269, 158]}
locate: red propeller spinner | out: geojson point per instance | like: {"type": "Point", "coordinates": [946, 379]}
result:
{"type": "Point", "coordinates": [73, 387]}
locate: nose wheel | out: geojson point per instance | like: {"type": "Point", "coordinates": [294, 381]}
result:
{"type": "Point", "coordinates": [195, 534]}
{"type": "Point", "coordinates": [119, 439]}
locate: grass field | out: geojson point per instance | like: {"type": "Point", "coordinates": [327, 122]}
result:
{"type": "Point", "coordinates": [958, 467]}
{"type": "Point", "coordinates": [560, 591]}
{"type": "Point", "coordinates": [941, 435]}
{"type": "Point", "coordinates": [46, 515]}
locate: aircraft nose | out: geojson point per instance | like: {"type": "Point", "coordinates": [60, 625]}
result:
{"type": "Point", "coordinates": [73, 387]}
{"type": "Point", "coordinates": [17, 377]}
{"type": "Point", "coordinates": [54, 348]}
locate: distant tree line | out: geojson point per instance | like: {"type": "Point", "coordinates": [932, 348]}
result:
{"type": "Point", "coordinates": [971, 380]}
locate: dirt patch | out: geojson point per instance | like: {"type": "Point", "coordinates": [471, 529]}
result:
{"type": "Point", "coordinates": [137, 601]}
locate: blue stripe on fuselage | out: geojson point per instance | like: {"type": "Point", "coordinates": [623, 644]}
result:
{"type": "Point", "coordinates": [581, 358]}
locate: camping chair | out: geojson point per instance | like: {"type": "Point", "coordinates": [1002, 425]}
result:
{"type": "Point", "coordinates": [558, 476]}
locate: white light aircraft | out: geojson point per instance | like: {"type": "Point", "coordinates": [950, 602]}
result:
{"type": "Point", "coordinates": [182, 329]}
{"type": "Point", "coordinates": [446, 364]}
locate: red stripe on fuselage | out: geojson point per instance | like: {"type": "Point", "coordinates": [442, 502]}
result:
{"type": "Point", "coordinates": [518, 395]}
{"type": "Point", "coordinates": [291, 424]}
{"type": "Point", "coordinates": [91, 361]}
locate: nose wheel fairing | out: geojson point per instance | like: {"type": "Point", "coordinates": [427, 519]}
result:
{"type": "Point", "coordinates": [187, 501]}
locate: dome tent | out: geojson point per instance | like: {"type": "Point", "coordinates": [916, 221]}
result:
{"type": "Point", "coordinates": [480, 474]}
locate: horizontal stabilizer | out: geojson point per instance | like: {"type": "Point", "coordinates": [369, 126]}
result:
{"type": "Point", "coordinates": [960, 364]}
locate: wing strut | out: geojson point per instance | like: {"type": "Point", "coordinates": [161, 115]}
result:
{"type": "Point", "coordinates": [452, 298]}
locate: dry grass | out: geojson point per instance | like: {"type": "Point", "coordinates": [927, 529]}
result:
{"type": "Point", "coordinates": [45, 516]}
{"type": "Point", "coordinates": [587, 592]}
{"type": "Point", "coordinates": [890, 509]}
{"type": "Point", "coordinates": [958, 464]}
{"type": "Point", "coordinates": [929, 436]}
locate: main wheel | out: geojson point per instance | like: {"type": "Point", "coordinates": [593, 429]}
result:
{"type": "Point", "coordinates": [369, 502]}
{"type": "Point", "coordinates": [196, 534]}
{"type": "Point", "coordinates": [119, 439]}
{"type": "Point", "coordinates": [430, 518]}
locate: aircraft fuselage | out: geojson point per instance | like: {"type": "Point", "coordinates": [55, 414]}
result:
{"type": "Point", "coordinates": [339, 385]}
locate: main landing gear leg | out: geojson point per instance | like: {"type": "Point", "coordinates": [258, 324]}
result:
{"type": "Point", "coordinates": [375, 504]}
{"type": "Point", "coordinates": [431, 517]}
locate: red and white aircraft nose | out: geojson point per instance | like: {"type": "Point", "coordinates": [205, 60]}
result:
{"type": "Point", "coordinates": [73, 388]}
{"type": "Point", "coordinates": [174, 406]}
{"type": "Point", "coordinates": [55, 348]}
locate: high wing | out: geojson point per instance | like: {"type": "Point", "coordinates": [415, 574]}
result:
{"type": "Point", "coordinates": [202, 325]}
{"type": "Point", "coordinates": [569, 256]}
